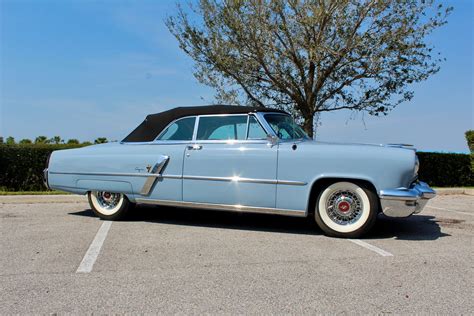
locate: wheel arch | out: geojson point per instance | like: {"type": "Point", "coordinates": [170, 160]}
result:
{"type": "Point", "coordinates": [320, 183]}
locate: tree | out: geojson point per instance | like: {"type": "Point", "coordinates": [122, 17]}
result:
{"type": "Point", "coordinates": [25, 141]}
{"type": "Point", "coordinates": [310, 57]}
{"type": "Point", "coordinates": [1, 140]}
{"type": "Point", "coordinates": [100, 140]}
{"type": "Point", "coordinates": [56, 140]}
{"type": "Point", "coordinates": [42, 140]}
{"type": "Point", "coordinates": [470, 140]}
{"type": "Point", "coordinates": [73, 141]}
{"type": "Point", "coordinates": [10, 140]}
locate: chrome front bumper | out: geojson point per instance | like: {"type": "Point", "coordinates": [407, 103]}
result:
{"type": "Point", "coordinates": [404, 202]}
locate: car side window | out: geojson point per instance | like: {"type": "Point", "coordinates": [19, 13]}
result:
{"type": "Point", "coordinates": [256, 130]}
{"type": "Point", "coordinates": [231, 127]}
{"type": "Point", "coordinates": [179, 130]}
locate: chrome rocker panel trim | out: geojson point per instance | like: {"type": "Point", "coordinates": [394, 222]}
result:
{"type": "Point", "coordinates": [224, 207]}
{"type": "Point", "coordinates": [403, 202]}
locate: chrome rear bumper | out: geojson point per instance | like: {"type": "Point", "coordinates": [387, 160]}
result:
{"type": "Point", "coordinates": [45, 178]}
{"type": "Point", "coordinates": [403, 202]}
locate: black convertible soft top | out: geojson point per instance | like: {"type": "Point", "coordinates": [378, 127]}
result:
{"type": "Point", "coordinates": [153, 124]}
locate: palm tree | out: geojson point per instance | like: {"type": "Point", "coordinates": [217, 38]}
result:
{"type": "Point", "coordinates": [56, 140]}
{"type": "Point", "coordinates": [25, 141]}
{"type": "Point", "coordinates": [42, 140]}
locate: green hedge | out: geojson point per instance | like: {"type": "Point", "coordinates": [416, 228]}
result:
{"type": "Point", "coordinates": [21, 167]}
{"type": "Point", "coordinates": [446, 170]}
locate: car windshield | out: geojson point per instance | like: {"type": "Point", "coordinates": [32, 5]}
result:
{"type": "Point", "coordinates": [284, 126]}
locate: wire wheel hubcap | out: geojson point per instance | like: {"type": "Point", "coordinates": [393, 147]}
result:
{"type": "Point", "coordinates": [108, 200]}
{"type": "Point", "coordinates": [344, 207]}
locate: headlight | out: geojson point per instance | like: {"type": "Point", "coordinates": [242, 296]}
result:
{"type": "Point", "coordinates": [417, 165]}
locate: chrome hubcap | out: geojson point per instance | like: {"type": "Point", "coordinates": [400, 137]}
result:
{"type": "Point", "coordinates": [344, 207]}
{"type": "Point", "coordinates": [108, 200]}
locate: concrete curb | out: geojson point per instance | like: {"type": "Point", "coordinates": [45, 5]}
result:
{"type": "Point", "coordinates": [36, 199]}
{"type": "Point", "coordinates": [454, 191]}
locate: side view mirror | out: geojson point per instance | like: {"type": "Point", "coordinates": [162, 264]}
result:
{"type": "Point", "coordinates": [272, 140]}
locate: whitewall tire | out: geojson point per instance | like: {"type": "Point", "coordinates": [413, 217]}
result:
{"type": "Point", "coordinates": [346, 209]}
{"type": "Point", "coordinates": [109, 205]}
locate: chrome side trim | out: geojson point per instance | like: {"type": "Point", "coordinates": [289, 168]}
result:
{"type": "Point", "coordinates": [186, 142]}
{"type": "Point", "coordinates": [406, 146]}
{"type": "Point", "coordinates": [224, 207]}
{"type": "Point", "coordinates": [119, 174]}
{"type": "Point", "coordinates": [157, 169]}
{"type": "Point", "coordinates": [290, 182]}
{"type": "Point", "coordinates": [159, 142]}
{"type": "Point", "coordinates": [231, 179]}
{"type": "Point", "coordinates": [172, 176]}
{"type": "Point", "coordinates": [232, 141]}
{"type": "Point", "coordinates": [244, 180]}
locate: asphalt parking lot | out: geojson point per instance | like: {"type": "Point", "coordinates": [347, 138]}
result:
{"type": "Point", "coordinates": [56, 257]}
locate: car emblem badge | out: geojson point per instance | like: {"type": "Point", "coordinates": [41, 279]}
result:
{"type": "Point", "coordinates": [344, 206]}
{"type": "Point", "coordinates": [148, 168]}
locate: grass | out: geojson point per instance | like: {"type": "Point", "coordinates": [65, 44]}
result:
{"type": "Point", "coordinates": [33, 192]}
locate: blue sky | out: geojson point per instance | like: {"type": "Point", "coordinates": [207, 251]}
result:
{"type": "Point", "coordinates": [86, 69]}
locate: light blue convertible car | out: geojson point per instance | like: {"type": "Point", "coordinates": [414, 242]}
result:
{"type": "Point", "coordinates": [243, 159]}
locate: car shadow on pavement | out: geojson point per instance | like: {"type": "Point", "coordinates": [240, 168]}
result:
{"type": "Point", "coordinates": [418, 227]}
{"type": "Point", "coordinates": [415, 227]}
{"type": "Point", "coordinates": [217, 219]}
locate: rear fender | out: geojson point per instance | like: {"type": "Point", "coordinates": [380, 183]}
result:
{"type": "Point", "coordinates": [105, 185]}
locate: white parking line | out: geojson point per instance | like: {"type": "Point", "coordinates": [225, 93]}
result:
{"type": "Point", "coordinates": [445, 209]}
{"type": "Point", "coordinates": [381, 252]}
{"type": "Point", "coordinates": [94, 249]}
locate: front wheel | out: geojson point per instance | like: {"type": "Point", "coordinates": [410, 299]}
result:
{"type": "Point", "coordinates": [346, 209]}
{"type": "Point", "coordinates": [108, 205]}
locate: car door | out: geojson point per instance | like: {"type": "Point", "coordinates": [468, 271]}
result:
{"type": "Point", "coordinates": [230, 162]}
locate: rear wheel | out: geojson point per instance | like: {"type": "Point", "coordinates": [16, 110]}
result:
{"type": "Point", "coordinates": [108, 205]}
{"type": "Point", "coordinates": [346, 209]}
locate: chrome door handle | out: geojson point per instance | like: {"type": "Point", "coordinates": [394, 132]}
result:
{"type": "Point", "coordinates": [194, 147]}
